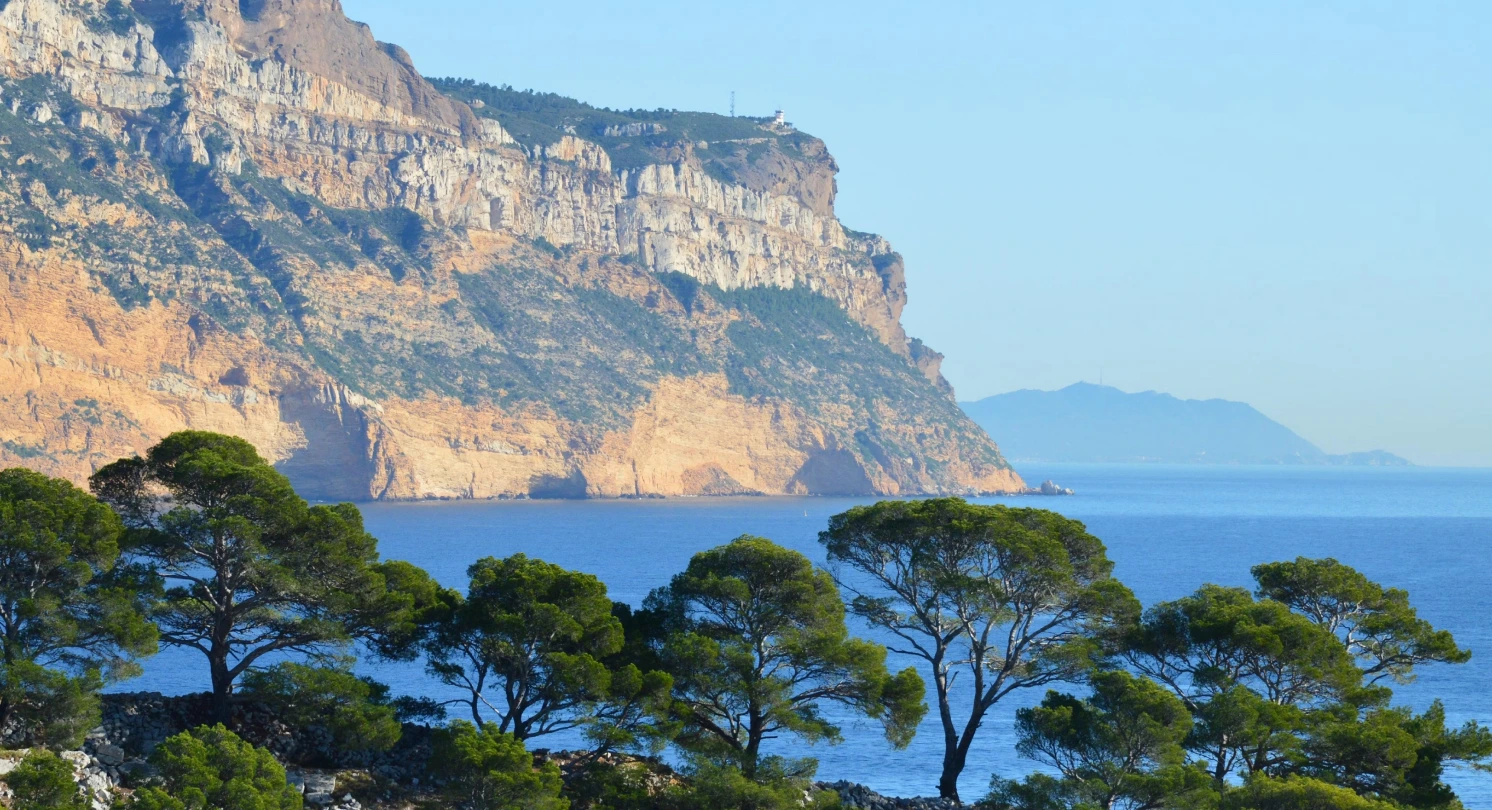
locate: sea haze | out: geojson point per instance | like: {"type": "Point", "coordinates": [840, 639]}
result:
{"type": "Point", "coordinates": [1168, 528]}
{"type": "Point", "coordinates": [1098, 423]}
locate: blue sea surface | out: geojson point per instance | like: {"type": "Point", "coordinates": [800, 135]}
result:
{"type": "Point", "coordinates": [1168, 529]}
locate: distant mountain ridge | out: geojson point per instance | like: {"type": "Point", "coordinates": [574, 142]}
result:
{"type": "Point", "coordinates": [1098, 423]}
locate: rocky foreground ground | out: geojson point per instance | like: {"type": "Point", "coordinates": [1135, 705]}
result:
{"type": "Point", "coordinates": [113, 758]}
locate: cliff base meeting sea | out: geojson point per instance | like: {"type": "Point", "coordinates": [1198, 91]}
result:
{"type": "Point", "coordinates": [1168, 529]}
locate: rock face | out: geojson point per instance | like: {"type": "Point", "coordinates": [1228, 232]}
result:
{"type": "Point", "coordinates": [1050, 487]}
{"type": "Point", "coordinates": [249, 216]}
{"type": "Point", "coordinates": [860, 797]}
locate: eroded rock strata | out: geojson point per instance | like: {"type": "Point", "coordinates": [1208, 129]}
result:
{"type": "Point", "coordinates": [252, 217]}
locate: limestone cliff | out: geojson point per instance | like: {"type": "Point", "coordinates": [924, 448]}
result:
{"type": "Point", "coordinates": [250, 216]}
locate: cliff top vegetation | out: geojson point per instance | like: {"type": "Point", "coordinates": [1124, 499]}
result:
{"type": "Point", "coordinates": [631, 137]}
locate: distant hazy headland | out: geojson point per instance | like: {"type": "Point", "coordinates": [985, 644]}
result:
{"type": "Point", "coordinates": [1097, 423]}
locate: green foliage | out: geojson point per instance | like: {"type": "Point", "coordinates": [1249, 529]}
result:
{"type": "Point", "coordinates": [253, 570]}
{"type": "Point", "coordinates": [429, 606]}
{"type": "Point", "coordinates": [1469, 745]}
{"type": "Point", "coordinates": [725, 147]}
{"type": "Point", "coordinates": [1297, 793]}
{"type": "Point", "coordinates": [1287, 689]}
{"type": "Point", "coordinates": [1391, 753]}
{"type": "Point", "coordinates": [1377, 624]}
{"type": "Point", "coordinates": [538, 119]}
{"type": "Point", "coordinates": [210, 767]}
{"type": "Point", "coordinates": [1248, 669]}
{"type": "Point", "coordinates": [777, 784]}
{"type": "Point", "coordinates": [526, 645]}
{"type": "Point", "coordinates": [1015, 598]}
{"type": "Point", "coordinates": [667, 348]}
{"type": "Point", "coordinates": [602, 786]}
{"type": "Point", "coordinates": [327, 697]}
{"type": "Point", "coordinates": [634, 713]}
{"type": "Point", "coordinates": [48, 707]}
{"type": "Point", "coordinates": [536, 647]}
{"type": "Point", "coordinates": [486, 769]}
{"type": "Point", "coordinates": [785, 325]}
{"type": "Point", "coordinates": [1038, 791]}
{"type": "Point", "coordinates": [758, 642]}
{"type": "Point", "coordinates": [685, 288]}
{"type": "Point", "coordinates": [71, 619]}
{"type": "Point", "coordinates": [638, 712]}
{"type": "Point", "coordinates": [45, 781]}
{"type": "Point", "coordinates": [1119, 748]}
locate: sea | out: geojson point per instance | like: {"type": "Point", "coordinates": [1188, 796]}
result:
{"type": "Point", "coordinates": [1168, 529]}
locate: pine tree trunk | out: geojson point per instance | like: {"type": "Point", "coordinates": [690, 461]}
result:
{"type": "Point", "coordinates": [953, 765]}
{"type": "Point", "coordinates": [953, 760]}
{"type": "Point", "coordinates": [222, 686]}
{"type": "Point", "coordinates": [754, 735]}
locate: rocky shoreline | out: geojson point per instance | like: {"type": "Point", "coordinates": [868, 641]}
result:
{"type": "Point", "coordinates": [859, 796]}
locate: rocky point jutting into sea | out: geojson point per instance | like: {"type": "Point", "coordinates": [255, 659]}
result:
{"type": "Point", "coordinates": [249, 216]}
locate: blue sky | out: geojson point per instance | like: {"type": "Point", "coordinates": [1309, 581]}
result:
{"type": "Point", "coordinates": [1288, 204]}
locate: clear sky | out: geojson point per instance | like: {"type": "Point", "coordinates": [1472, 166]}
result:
{"type": "Point", "coordinates": [1284, 203]}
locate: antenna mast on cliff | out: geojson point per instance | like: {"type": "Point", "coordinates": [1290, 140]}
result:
{"type": "Point", "coordinates": [732, 104]}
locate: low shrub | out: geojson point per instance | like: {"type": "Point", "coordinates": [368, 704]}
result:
{"type": "Point", "coordinates": [486, 769]}
{"type": "Point", "coordinates": [211, 767]}
{"type": "Point", "coordinates": [45, 781]}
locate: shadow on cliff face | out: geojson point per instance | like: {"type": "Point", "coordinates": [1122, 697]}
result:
{"type": "Point", "coordinates": [831, 472]}
{"type": "Point", "coordinates": [334, 464]}
{"type": "Point", "coordinates": [558, 487]}
{"type": "Point", "coordinates": [711, 479]}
